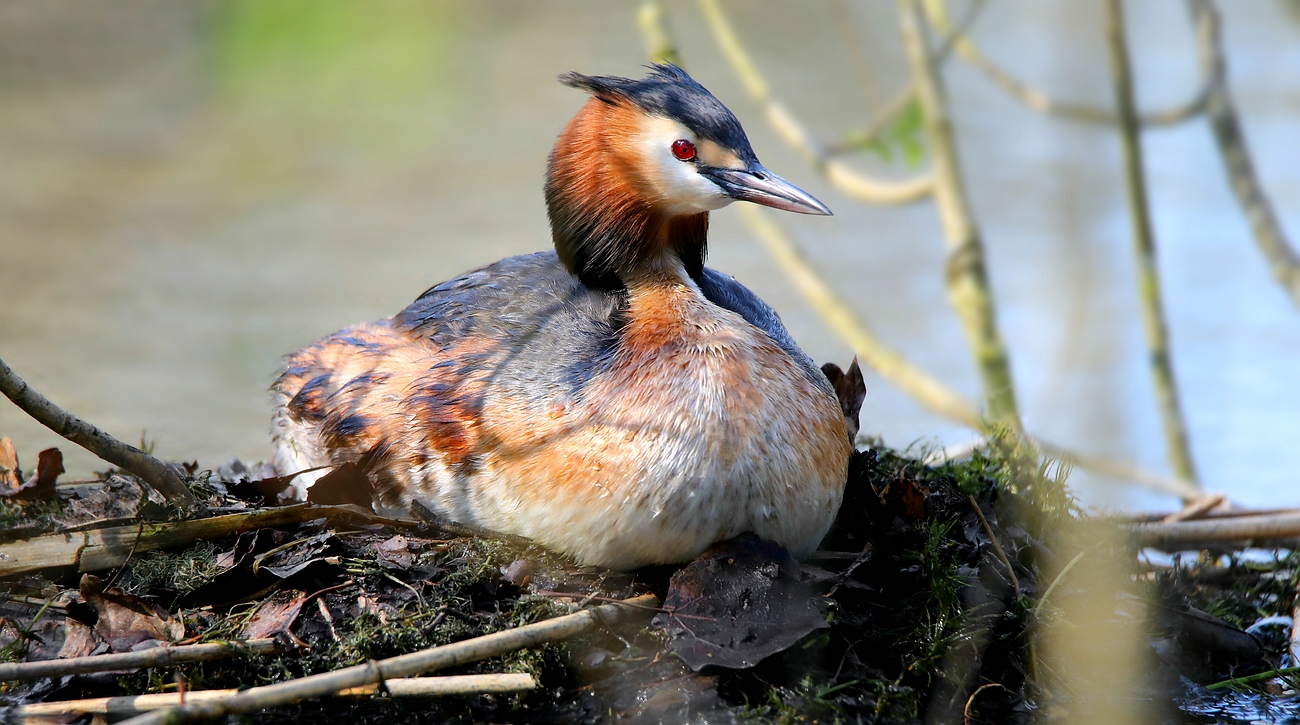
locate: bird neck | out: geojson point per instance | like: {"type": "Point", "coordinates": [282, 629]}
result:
{"type": "Point", "coordinates": [604, 224]}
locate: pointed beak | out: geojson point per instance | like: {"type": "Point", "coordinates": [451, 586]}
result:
{"type": "Point", "coordinates": [761, 186]}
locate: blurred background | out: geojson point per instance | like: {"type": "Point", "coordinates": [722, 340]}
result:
{"type": "Point", "coordinates": [191, 191]}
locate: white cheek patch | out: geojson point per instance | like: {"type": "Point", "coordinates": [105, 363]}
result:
{"type": "Point", "coordinates": [680, 187]}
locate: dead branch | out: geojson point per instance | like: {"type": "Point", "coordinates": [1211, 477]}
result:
{"type": "Point", "coordinates": [849, 181]}
{"type": "Point", "coordinates": [1269, 235]}
{"type": "Point", "coordinates": [967, 276]}
{"type": "Point", "coordinates": [1196, 509]}
{"type": "Point", "coordinates": [1043, 103]}
{"type": "Point", "coordinates": [1144, 249]}
{"type": "Point", "coordinates": [155, 657]}
{"type": "Point", "coordinates": [105, 548]}
{"type": "Point", "coordinates": [415, 663]}
{"type": "Point", "coordinates": [1238, 529]}
{"type": "Point", "coordinates": [150, 470]}
{"type": "Point", "coordinates": [401, 687]}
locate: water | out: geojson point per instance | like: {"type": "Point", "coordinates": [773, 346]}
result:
{"type": "Point", "coordinates": [188, 192]}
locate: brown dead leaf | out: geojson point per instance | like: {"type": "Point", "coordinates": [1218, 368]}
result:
{"type": "Point", "coordinates": [395, 550]}
{"type": "Point", "coordinates": [276, 614]}
{"type": "Point", "coordinates": [741, 601]}
{"type": "Point", "coordinates": [913, 496]}
{"type": "Point", "coordinates": [850, 390]}
{"type": "Point", "coordinates": [78, 640]}
{"type": "Point", "coordinates": [125, 620]}
{"type": "Point", "coordinates": [40, 486]}
{"type": "Point", "coordinates": [11, 476]}
{"type": "Point", "coordinates": [346, 484]}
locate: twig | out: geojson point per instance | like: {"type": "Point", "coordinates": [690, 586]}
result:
{"type": "Point", "coordinates": [1269, 235]}
{"type": "Point", "coordinates": [1251, 679]}
{"type": "Point", "coordinates": [997, 547]}
{"type": "Point", "coordinates": [156, 657]}
{"type": "Point", "coordinates": [1238, 529]}
{"type": "Point", "coordinates": [122, 568]}
{"type": "Point", "coordinates": [849, 181]}
{"type": "Point", "coordinates": [448, 685]}
{"type": "Point", "coordinates": [152, 471]}
{"type": "Point", "coordinates": [965, 711]}
{"type": "Point", "coordinates": [400, 687]}
{"type": "Point", "coordinates": [107, 547]}
{"type": "Point", "coordinates": [1043, 103]}
{"type": "Point", "coordinates": [471, 650]}
{"type": "Point", "coordinates": [1144, 248]}
{"type": "Point", "coordinates": [593, 597]}
{"type": "Point", "coordinates": [1196, 509]}
{"type": "Point", "coordinates": [1060, 576]}
{"type": "Point", "coordinates": [967, 277]}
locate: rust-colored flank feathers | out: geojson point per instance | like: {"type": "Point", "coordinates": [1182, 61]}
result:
{"type": "Point", "coordinates": [614, 399]}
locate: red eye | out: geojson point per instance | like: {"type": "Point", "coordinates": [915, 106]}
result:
{"type": "Point", "coordinates": [684, 150]}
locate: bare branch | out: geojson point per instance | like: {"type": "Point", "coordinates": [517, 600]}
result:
{"type": "Point", "coordinates": [1043, 103]}
{"type": "Point", "coordinates": [151, 470]}
{"type": "Point", "coordinates": [967, 277]}
{"type": "Point", "coordinates": [400, 687]}
{"type": "Point", "coordinates": [848, 180]}
{"type": "Point", "coordinates": [164, 656]}
{"type": "Point", "coordinates": [1269, 235]}
{"type": "Point", "coordinates": [1144, 248]}
{"type": "Point", "coordinates": [407, 665]}
{"type": "Point", "coordinates": [1182, 534]}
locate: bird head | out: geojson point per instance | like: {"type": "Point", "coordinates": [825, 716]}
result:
{"type": "Point", "coordinates": [637, 170]}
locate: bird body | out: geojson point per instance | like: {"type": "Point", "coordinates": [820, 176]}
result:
{"type": "Point", "coordinates": [615, 399]}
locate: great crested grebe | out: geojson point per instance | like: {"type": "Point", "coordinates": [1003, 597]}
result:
{"type": "Point", "coordinates": [614, 399]}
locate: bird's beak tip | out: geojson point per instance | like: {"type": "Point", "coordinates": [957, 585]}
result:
{"type": "Point", "coordinates": [760, 186]}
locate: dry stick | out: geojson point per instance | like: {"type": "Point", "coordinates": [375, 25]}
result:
{"type": "Point", "coordinates": [1042, 102]}
{"type": "Point", "coordinates": [152, 471]}
{"type": "Point", "coordinates": [1144, 248]}
{"type": "Point", "coordinates": [1196, 509]}
{"type": "Point", "coordinates": [472, 650]}
{"type": "Point", "coordinates": [105, 548]}
{"type": "Point", "coordinates": [849, 181]}
{"type": "Point", "coordinates": [401, 687]}
{"type": "Point", "coordinates": [156, 657]}
{"type": "Point", "coordinates": [967, 276]}
{"type": "Point", "coordinates": [1238, 529]}
{"type": "Point", "coordinates": [997, 547]}
{"type": "Point", "coordinates": [1269, 235]}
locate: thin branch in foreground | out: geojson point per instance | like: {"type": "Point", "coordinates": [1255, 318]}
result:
{"type": "Point", "coordinates": [967, 276]}
{"type": "Point", "coordinates": [1182, 534]}
{"type": "Point", "coordinates": [104, 548]}
{"type": "Point", "coordinates": [1282, 259]}
{"type": "Point", "coordinates": [155, 657]}
{"type": "Point", "coordinates": [850, 182]}
{"type": "Point", "coordinates": [400, 687]}
{"type": "Point", "coordinates": [152, 471]}
{"type": "Point", "coordinates": [1040, 101]}
{"type": "Point", "coordinates": [1144, 249]}
{"type": "Point", "coordinates": [407, 665]}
